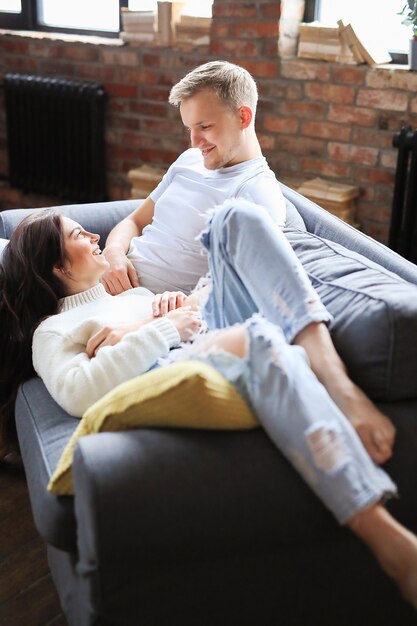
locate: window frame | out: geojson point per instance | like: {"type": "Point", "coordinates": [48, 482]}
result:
{"type": "Point", "coordinates": [28, 20]}
{"type": "Point", "coordinates": [312, 11]}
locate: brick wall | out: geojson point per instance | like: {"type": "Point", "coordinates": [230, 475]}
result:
{"type": "Point", "coordinates": [315, 118]}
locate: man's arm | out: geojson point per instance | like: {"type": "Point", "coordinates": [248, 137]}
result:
{"type": "Point", "coordinates": [121, 274]}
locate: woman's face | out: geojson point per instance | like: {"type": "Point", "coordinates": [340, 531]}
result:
{"type": "Point", "coordinates": [84, 265]}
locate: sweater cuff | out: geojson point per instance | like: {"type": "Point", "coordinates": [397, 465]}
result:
{"type": "Point", "coordinates": [167, 330]}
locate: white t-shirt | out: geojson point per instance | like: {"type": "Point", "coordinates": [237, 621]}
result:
{"type": "Point", "coordinates": [167, 256]}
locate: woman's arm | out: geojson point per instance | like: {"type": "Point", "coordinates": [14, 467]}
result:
{"type": "Point", "coordinates": [75, 381]}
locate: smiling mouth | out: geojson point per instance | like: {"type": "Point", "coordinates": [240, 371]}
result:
{"type": "Point", "coordinates": [97, 252]}
{"type": "Point", "coordinates": [206, 151]}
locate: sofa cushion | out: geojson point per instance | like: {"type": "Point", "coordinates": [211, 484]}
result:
{"type": "Point", "coordinates": [202, 398]}
{"type": "Point", "coordinates": [293, 218]}
{"type": "Point", "coordinates": [3, 244]}
{"type": "Point", "coordinates": [374, 311]}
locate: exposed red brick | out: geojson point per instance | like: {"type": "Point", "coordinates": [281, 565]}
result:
{"type": "Point", "coordinates": [353, 75]}
{"type": "Point", "coordinates": [16, 46]}
{"type": "Point", "coordinates": [353, 154]}
{"type": "Point", "coordinates": [157, 156]}
{"type": "Point", "coordinates": [221, 48]}
{"type": "Point", "coordinates": [136, 76]}
{"type": "Point", "coordinates": [80, 52]}
{"type": "Point", "coordinates": [374, 175]}
{"type": "Point", "coordinates": [304, 70]}
{"type": "Point", "coordinates": [330, 93]}
{"type": "Point", "coordinates": [398, 78]}
{"type": "Point", "coordinates": [124, 152]}
{"type": "Point", "coordinates": [266, 141]}
{"type": "Point", "coordinates": [22, 64]}
{"type": "Point", "coordinates": [269, 48]}
{"type": "Point", "coordinates": [254, 29]}
{"type": "Point", "coordinates": [294, 91]}
{"type": "Point", "coordinates": [302, 146]}
{"type": "Point", "coordinates": [260, 69]}
{"type": "Point", "coordinates": [119, 56]}
{"type": "Point", "coordinates": [56, 67]}
{"type": "Point", "coordinates": [352, 115]}
{"type": "Point", "coordinates": [40, 48]}
{"type": "Point", "coordinates": [233, 9]}
{"type": "Point", "coordinates": [144, 107]}
{"type": "Point", "coordinates": [271, 9]}
{"type": "Point", "coordinates": [159, 127]}
{"type": "Point", "coordinates": [155, 93]}
{"type": "Point", "coordinates": [383, 99]}
{"type": "Point", "coordinates": [281, 124]}
{"type": "Point", "coordinates": [307, 110]}
{"type": "Point", "coordinates": [389, 159]}
{"type": "Point", "coordinates": [96, 72]}
{"type": "Point", "coordinates": [326, 130]}
{"type": "Point", "coordinates": [367, 137]}
{"type": "Point", "coordinates": [326, 168]}
{"type": "Point", "coordinates": [121, 91]}
{"type": "Point", "coordinates": [123, 122]}
{"type": "Point", "coordinates": [220, 30]}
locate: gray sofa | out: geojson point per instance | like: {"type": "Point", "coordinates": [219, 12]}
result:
{"type": "Point", "coordinates": [210, 528]}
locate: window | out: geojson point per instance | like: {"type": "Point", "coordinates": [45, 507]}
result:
{"type": "Point", "coordinates": [364, 15]}
{"type": "Point", "coordinates": [93, 17]}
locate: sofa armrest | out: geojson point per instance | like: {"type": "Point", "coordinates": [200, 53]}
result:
{"type": "Point", "coordinates": [169, 495]}
{"type": "Point", "coordinates": [96, 217]}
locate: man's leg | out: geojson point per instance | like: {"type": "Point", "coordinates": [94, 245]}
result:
{"type": "Point", "coordinates": [254, 269]}
{"type": "Point", "coordinates": [308, 428]}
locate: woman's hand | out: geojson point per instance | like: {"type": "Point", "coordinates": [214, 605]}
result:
{"type": "Point", "coordinates": [111, 335]}
{"type": "Point", "coordinates": [167, 301]}
{"type": "Point", "coordinates": [187, 321]}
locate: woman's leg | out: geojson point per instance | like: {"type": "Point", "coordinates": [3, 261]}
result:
{"type": "Point", "coordinates": [254, 268]}
{"type": "Point", "coordinates": [305, 424]}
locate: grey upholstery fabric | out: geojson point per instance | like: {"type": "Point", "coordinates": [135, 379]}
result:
{"type": "Point", "coordinates": [375, 315]}
{"type": "Point", "coordinates": [99, 217]}
{"type": "Point", "coordinates": [44, 430]}
{"type": "Point", "coordinates": [320, 222]}
{"type": "Point", "coordinates": [205, 528]}
{"type": "Point", "coordinates": [3, 244]}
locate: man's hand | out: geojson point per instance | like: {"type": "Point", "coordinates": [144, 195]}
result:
{"type": "Point", "coordinates": [121, 274]}
{"type": "Point", "coordinates": [167, 301]}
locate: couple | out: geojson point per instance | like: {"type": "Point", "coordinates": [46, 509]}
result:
{"type": "Point", "coordinates": [86, 341]}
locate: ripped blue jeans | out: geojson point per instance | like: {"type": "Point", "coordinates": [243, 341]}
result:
{"type": "Point", "coordinates": [257, 279]}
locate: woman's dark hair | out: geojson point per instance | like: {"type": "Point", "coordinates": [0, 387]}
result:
{"type": "Point", "coordinates": [29, 292]}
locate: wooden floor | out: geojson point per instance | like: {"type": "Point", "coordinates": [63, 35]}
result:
{"type": "Point", "coordinates": [27, 594]}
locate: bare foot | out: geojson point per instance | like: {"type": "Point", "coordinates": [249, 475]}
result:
{"type": "Point", "coordinates": [375, 429]}
{"type": "Point", "coordinates": [394, 546]}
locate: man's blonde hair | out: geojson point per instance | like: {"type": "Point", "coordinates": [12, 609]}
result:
{"type": "Point", "coordinates": [233, 85]}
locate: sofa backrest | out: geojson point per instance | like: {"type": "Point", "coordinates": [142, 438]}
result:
{"type": "Point", "coordinates": [325, 225]}
{"type": "Point", "coordinates": [100, 217]}
{"type": "Point", "coordinates": [97, 217]}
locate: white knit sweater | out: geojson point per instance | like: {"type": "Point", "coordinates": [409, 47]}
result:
{"type": "Point", "coordinates": [73, 379]}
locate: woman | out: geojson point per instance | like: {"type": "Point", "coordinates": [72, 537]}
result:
{"type": "Point", "coordinates": [53, 301]}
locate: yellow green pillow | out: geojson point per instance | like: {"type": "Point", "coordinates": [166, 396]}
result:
{"type": "Point", "coordinates": [190, 394]}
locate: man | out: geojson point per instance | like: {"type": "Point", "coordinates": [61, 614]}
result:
{"type": "Point", "coordinates": [156, 246]}
{"type": "Point", "coordinates": [156, 243]}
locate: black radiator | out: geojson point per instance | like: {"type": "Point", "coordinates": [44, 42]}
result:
{"type": "Point", "coordinates": [55, 136]}
{"type": "Point", "coordinates": [403, 227]}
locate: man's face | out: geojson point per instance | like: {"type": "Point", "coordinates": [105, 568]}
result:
{"type": "Point", "coordinates": [214, 128]}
